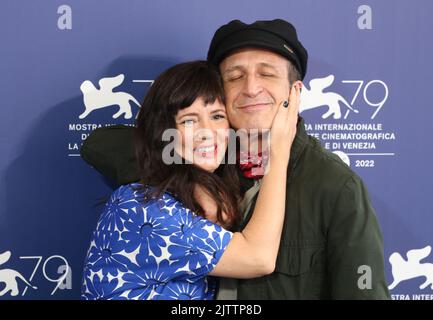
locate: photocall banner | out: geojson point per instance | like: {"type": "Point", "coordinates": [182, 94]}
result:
{"type": "Point", "coordinates": [68, 67]}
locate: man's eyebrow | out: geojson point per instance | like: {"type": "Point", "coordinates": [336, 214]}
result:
{"type": "Point", "coordinates": [267, 65]}
{"type": "Point", "coordinates": [233, 68]}
{"type": "Point", "coordinates": [261, 64]}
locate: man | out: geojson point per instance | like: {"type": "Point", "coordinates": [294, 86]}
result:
{"type": "Point", "coordinates": [331, 246]}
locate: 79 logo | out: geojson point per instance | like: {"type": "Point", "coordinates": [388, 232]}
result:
{"type": "Point", "coordinates": [11, 278]}
{"type": "Point", "coordinates": [337, 106]}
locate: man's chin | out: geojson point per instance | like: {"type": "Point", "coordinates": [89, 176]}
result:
{"type": "Point", "coordinates": [257, 126]}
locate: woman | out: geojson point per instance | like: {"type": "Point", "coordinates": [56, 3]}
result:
{"type": "Point", "coordinates": [162, 237]}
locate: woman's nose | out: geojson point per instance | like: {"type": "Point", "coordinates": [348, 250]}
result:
{"type": "Point", "coordinates": [204, 133]}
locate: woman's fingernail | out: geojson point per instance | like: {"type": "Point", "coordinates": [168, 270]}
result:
{"type": "Point", "coordinates": [285, 104]}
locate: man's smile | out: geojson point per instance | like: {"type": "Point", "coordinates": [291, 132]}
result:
{"type": "Point", "coordinates": [254, 107]}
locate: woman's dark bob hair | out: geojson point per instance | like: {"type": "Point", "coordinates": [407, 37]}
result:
{"type": "Point", "coordinates": [177, 88]}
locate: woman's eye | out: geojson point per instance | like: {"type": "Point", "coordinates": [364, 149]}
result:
{"type": "Point", "coordinates": [219, 116]}
{"type": "Point", "coordinates": [188, 123]}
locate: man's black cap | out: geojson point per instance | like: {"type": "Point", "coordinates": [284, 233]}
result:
{"type": "Point", "coordinates": [276, 35]}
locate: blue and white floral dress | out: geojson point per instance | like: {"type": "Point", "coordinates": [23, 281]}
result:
{"type": "Point", "coordinates": [159, 250]}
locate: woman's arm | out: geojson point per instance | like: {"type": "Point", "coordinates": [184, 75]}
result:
{"type": "Point", "coordinates": [253, 252]}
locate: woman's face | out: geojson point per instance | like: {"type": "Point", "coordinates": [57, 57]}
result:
{"type": "Point", "coordinates": [203, 131]}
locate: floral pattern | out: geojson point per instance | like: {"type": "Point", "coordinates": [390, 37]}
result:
{"type": "Point", "coordinates": [154, 250]}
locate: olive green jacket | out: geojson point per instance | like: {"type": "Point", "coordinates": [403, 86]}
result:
{"type": "Point", "coordinates": [331, 247]}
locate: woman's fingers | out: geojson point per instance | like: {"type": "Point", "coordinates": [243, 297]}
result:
{"type": "Point", "coordinates": [286, 117]}
{"type": "Point", "coordinates": [294, 100]}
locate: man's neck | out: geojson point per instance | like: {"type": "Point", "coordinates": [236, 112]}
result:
{"type": "Point", "coordinates": [254, 143]}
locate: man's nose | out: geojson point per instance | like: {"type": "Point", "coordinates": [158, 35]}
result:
{"type": "Point", "coordinates": [252, 86]}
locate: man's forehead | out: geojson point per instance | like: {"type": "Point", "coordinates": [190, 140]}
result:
{"type": "Point", "coordinates": [256, 56]}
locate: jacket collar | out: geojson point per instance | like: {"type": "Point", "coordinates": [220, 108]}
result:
{"type": "Point", "coordinates": [298, 146]}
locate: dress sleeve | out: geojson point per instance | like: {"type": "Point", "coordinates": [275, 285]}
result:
{"type": "Point", "coordinates": [198, 245]}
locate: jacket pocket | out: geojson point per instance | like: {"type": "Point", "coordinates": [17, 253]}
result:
{"type": "Point", "coordinates": [300, 272]}
{"type": "Point", "coordinates": [300, 259]}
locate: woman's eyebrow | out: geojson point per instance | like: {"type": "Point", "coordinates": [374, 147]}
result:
{"type": "Point", "coordinates": [218, 110]}
{"type": "Point", "coordinates": [188, 114]}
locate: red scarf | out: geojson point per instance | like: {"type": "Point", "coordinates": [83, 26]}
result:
{"type": "Point", "coordinates": [253, 165]}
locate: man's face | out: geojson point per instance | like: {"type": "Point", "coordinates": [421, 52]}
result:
{"type": "Point", "coordinates": [255, 83]}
